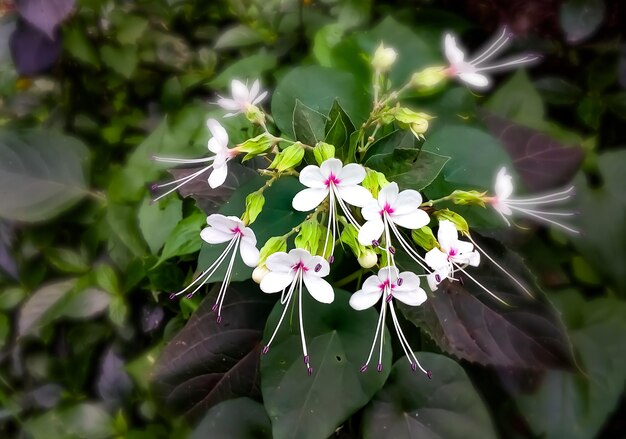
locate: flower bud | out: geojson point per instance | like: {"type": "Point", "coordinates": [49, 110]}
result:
{"type": "Point", "coordinates": [273, 245]}
{"type": "Point", "coordinates": [454, 218]}
{"type": "Point", "coordinates": [254, 205]}
{"type": "Point", "coordinates": [469, 198]}
{"type": "Point", "coordinates": [255, 115]}
{"type": "Point", "coordinates": [374, 181]}
{"type": "Point", "coordinates": [259, 273]}
{"type": "Point", "coordinates": [289, 157]}
{"type": "Point", "coordinates": [417, 122]}
{"type": "Point", "coordinates": [424, 238]}
{"type": "Point", "coordinates": [384, 57]}
{"type": "Point", "coordinates": [429, 80]}
{"type": "Point", "coordinates": [255, 146]}
{"type": "Point", "coordinates": [368, 259]}
{"type": "Point", "coordinates": [309, 237]}
{"type": "Point", "coordinates": [323, 151]}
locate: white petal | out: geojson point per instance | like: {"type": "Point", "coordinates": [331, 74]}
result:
{"type": "Point", "coordinates": [331, 166]}
{"type": "Point", "coordinates": [372, 285]}
{"type": "Point", "coordinates": [454, 54]}
{"type": "Point", "coordinates": [351, 174]}
{"type": "Point", "coordinates": [388, 274]}
{"type": "Point", "coordinates": [474, 259]}
{"type": "Point", "coordinates": [239, 91]}
{"type": "Point", "coordinates": [259, 98]}
{"type": "Point", "coordinates": [311, 176]}
{"type": "Point", "coordinates": [274, 282]}
{"type": "Point", "coordinates": [371, 211]}
{"type": "Point", "coordinates": [447, 235]}
{"type": "Point", "coordinates": [410, 282]}
{"type": "Point", "coordinates": [436, 259]}
{"type": "Point", "coordinates": [407, 201]}
{"type": "Point", "coordinates": [318, 288]}
{"type": "Point", "coordinates": [414, 220]}
{"type": "Point", "coordinates": [249, 254]}
{"type": "Point", "coordinates": [279, 261]}
{"type": "Point", "coordinates": [218, 176]}
{"type": "Point", "coordinates": [388, 194]}
{"type": "Point", "coordinates": [503, 208]}
{"type": "Point", "coordinates": [218, 132]}
{"type": "Point", "coordinates": [504, 185]}
{"type": "Point", "coordinates": [475, 79]}
{"type": "Point", "coordinates": [215, 146]}
{"type": "Point", "coordinates": [211, 235]}
{"type": "Point", "coordinates": [221, 222]}
{"type": "Point", "coordinates": [355, 195]}
{"type": "Point", "coordinates": [228, 104]}
{"type": "Point", "coordinates": [309, 199]}
{"type": "Point", "coordinates": [464, 246]}
{"type": "Point", "coordinates": [363, 299]}
{"type": "Point", "coordinates": [324, 266]}
{"type": "Point", "coordinates": [371, 231]}
{"type": "Point", "coordinates": [248, 236]}
{"type": "Point", "coordinates": [432, 281]}
{"type": "Point", "coordinates": [254, 90]}
{"type": "Point", "coordinates": [412, 298]}
{"type": "Point", "coordinates": [299, 255]}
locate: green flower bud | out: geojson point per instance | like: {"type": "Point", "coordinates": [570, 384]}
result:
{"type": "Point", "coordinates": [424, 238]}
{"type": "Point", "coordinates": [254, 205]}
{"type": "Point", "coordinates": [469, 198]}
{"type": "Point", "coordinates": [289, 157]}
{"type": "Point", "coordinates": [323, 151]}
{"type": "Point", "coordinates": [259, 273]}
{"type": "Point", "coordinates": [417, 122]}
{"type": "Point", "coordinates": [273, 245]}
{"type": "Point", "coordinates": [374, 181]}
{"type": "Point", "coordinates": [383, 59]}
{"type": "Point", "coordinates": [255, 146]}
{"type": "Point", "coordinates": [349, 236]}
{"type": "Point", "coordinates": [255, 115]}
{"type": "Point", "coordinates": [455, 218]}
{"type": "Point", "coordinates": [429, 80]}
{"type": "Point", "coordinates": [311, 233]}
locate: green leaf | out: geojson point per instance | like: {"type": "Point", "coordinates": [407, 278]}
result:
{"type": "Point", "coordinates": [238, 36]}
{"type": "Point", "coordinates": [338, 129]}
{"type": "Point", "coordinates": [318, 88]}
{"type": "Point", "coordinates": [558, 91]}
{"type": "Point", "coordinates": [308, 124]}
{"type": "Point", "coordinates": [124, 229]}
{"type": "Point", "coordinates": [78, 45]}
{"type": "Point", "coordinates": [185, 238]}
{"type": "Point", "coordinates": [10, 298]}
{"type": "Point", "coordinates": [582, 401]}
{"type": "Point", "coordinates": [122, 60]}
{"type": "Point", "coordinates": [410, 168]}
{"type": "Point", "coordinates": [590, 111]}
{"type": "Point", "coordinates": [519, 101]}
{"type": "Point", "coordinates": [156, 221]}
{"type": "Point", "coordinates": [85, 420]}
{"type": "Point", "coordinates": [130, 28]}
{"type": "Point", "coordinates": [67, 260]}
{"type": "Point", "coordinates": [580, 18]}
{"type": "Point", "coordinates": [252, 421]}
{"type": "Point", "coordinates": [412, 406]}
{"type": "Point", "coordinates": [42, 173]}
{"type": "Point", "coordinates": [312, 407]}
{"type": "Point", "coordinates": [248, 67]}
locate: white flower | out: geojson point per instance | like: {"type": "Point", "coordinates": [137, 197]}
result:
{"type": "Point", "coordinates": [239, 237]}
{"type": "Point", "coordinates": [341, 184]}
{"type": "Point", "coordinates": [242, 97]}
{"type": "Point", "coordinates": [389, 285]}
{"type": "Point", "coordinates": [506, 206]}
{"type": "Point", "coordinates": [291, 270]}
{"type": "Point", "coordinates": [384, 57]}
{"type": "Point", "coordinates": [453, 254]}
{"type": "Point", "coordinates": [470, 72]}
{"type": "Point", "coordinates": [218, 144]}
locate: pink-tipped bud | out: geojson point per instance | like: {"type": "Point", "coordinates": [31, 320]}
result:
{"type": "Point", "coordinates": [265, 350]}
{"type": "Point", "coordinates": [318, 267]}
{"type": "Point", "coordinates": [429, 374]}
{"type": "Point", "coordinates": [400, 281]}
{"type": "Point", "coordinates": [363, 368]}
{"type": "Point", "coordinates": [379, 368]}
{"type": "Point", "coordinates": [309, 370]}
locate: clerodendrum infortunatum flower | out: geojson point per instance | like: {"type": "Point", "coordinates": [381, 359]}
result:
{"type": "Point", "coordinates": [341, 184]}
{"type": "Point", "coordinates": [242, 97]}
{"type": "Point", "coordinates": [505, 205]}
{"type": "Point", "coordinates": [471, 72]}
{"type": "Point", "coordinates": [386, 286]}
{"type": "Point", "coordinates": [218, 144]}
{"type": "Point", "coordinates": [384, 57]}
{"type": "Point", "coordinates": [288, 271]}
{"type": "Point", "coordinates": [392, 209]}
{"type": "Point", "coordinates": [225, 229]}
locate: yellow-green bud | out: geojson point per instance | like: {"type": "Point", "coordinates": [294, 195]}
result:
{"type": "Point", "coordinates": [273, 245]}
{"type": "Point", "coordinates": [469, 197]}
{"type": "Point", "coordinates": [323, 151]}
{"type": "Point", "coordinates": [259, 273]}
{"type": "Point", "coordinates": [455, 218]}
{"type": "Point", "coordinates": [257, 145]}
{"type": "Point", "coordinates": [309, 237]}
{"type": "Point", "coordinates": [383, 59]}
{"type": "Point", "coordinates": [367, 259]}
{"type": "Point", "coordinates": [424, 238]}
{"type": "Point", "coordinates": [254, 205]}
{"type": "Point", "coordinates": [429, 80]}
{"type": "Point", "coordinates": [417, 122]}
{"type": "Point", "coordinates": [255, 115]}
{"type": "Point", "coordinates": [349, 236]}
{"type": "Point", "coordinates": [374, 181]}
{"type": "Point", "coordinates": [289, 157]}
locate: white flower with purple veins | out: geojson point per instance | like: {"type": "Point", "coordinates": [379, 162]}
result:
{"type": "Point", "coordinates": [242, 97]}
{"type": "Point", "coordinates": [392, 209]}
{"type": "Point", "coordinates": [288, 271]}
{"type": "Point", "coordinates": [529, 206]}
{"type": "Point", "coordinates": [218, 144]}
{"type": "Point", "coordinates": [472, 71]}
{"type": "Point", "coordinates": [386, 286]}
{"type": "Point", "coordinates": [222, 229]}
{"type": "Point", "coordinates": [341, 184]}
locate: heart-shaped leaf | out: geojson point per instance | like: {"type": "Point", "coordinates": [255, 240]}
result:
{"type": "Point", "coordinates": [312, 407]}
{"type": "Point", "coordinates": [410, 406]}
{"type": "Point", "coordinates": [252, 421]}
{"type": "Point", "coordinates": [467, 322]}
{"type": "Point", "coordinates": [207, 363]}
{"type": "Point", "coordinates": [45, 15]}
{"type": "Point", "coordinates": [308, 124]}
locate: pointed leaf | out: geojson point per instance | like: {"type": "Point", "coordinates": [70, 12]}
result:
{"type": "Point", "coordinates": [252, 421]}
{"type": "Point", "coordinates": [338, 129]}
{"type": "Point", "coordinates": [308, 124]}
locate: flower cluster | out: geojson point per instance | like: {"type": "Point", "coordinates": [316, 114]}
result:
{"type": "Point", "coordinates": [351, 204]}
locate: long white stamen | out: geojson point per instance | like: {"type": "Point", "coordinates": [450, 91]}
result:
{"type": "Point", "coordinates": [186, 177]}
{"type": "Point", "coordinates": [378, 327]}
{"type": "Point", "coordinates": [175, 160]}
{"type": "Point", "coordinates": [523, 60]}
{"type": "Point", "coordinates": [346, 211]}
{"type": "Point", "coordinates": [383, 310]}
{"type": "Point", "coordinates": [309, 369]}
{"type": "Point", "coordinates": [184, 180]}
{"type": "Point", "coordinates": [531, 202]}
{"type": "Point", "coordinates": [404, 341]}
{"type": "Point", "coordinates": [527, 212]}
{"type": "Point", "coordinates": [543, 197]}
{"type": "Point", "coordinates": [390, 259]}
{"type": "Point", "coordinates": [328, 228]}
{"type": "Point", "coordinates": [492, 49]}
{"type": "Point", "coordinates": [222, 294]}
{"type": "Point", "coordinates": [542, 212]}
{"type": "Point", "coordinates": [481, 285]}
{"type": "Point", "coordinates": [513, 278]}
{"type": "Point", "coordinates": [334, 209]}
{"type": "Point", "coordinates": [282, 317]}
{"type": "Point", "coordinates": [408, 249]}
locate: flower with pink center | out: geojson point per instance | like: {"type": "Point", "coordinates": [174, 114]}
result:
{"type": "Point", "coordinates": [384, 287]}
{"type": "Point", "coordinates": [223, 229]}
{"type": "Point", "coordinates": [471, 72]}
{"type": "Point", "coordinates": [242, 97]}
{"type": "Point", "coordinates": [288, 271]}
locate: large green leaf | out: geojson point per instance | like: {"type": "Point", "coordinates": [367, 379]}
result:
{"type": "Point", "coordinates": [318, 88]}
{"type": "Point", "coordinates": [219, 422]}
{"type": "Point", "coordinates": [156, 221]}
{"type": "Point", "coordinates": [519, 101]}
{"type": "Point", "coordinates": [338, 129]}
{"type": "Point", "coordinates": [42, 173]}
{"type": "Point", "coordinates": [312, 407]}
{"type": "Point", "coordinates": [410, 406]}
{"type": "Point", "coordinates": [85, 420]}
{"type": "Point", "coordinates": [308, 124]}
{"type": "Point", "coordinates": [576, 405]}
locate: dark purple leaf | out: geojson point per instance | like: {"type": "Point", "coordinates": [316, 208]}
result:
{"type": "Point", "coordinates": [542, 162]}
{"type": "Point", "coordinates": [33, 52]}
{"type": "Point", "coordinates": [468, 323]}
{"type": "Point", "coordinates": [114, 384]}
{"type": "Point", "coordinates": [207, 362]}
{"type": "Point", "coordinates": [45, 15]}
{"type": "Point", "coordinates": [7, 263]}
{"type": "Point", "coordinates": [151, 317]}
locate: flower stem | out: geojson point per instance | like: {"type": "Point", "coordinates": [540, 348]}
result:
{"type": "Point", "coordinates": [346, 280]}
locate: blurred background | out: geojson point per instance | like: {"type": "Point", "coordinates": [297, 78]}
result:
{"type": "Point", "coordinates": [89, 89]}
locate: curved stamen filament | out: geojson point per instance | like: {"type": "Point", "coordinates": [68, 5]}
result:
{"type": "Point", "coordinates": [404, 341]}
{"type": "Point", "coordinates": [481, 285]}
{"type": "Point", "coordinates": [378, 328]}
{"type": "Point", "coordinates": [282, 316]}
{"type": "Point", "coordinates": [383, 311]}
{"type": "Point", "coordinates": [409, 249]}
{"type": "Point", "coordinates": [222, 293]}
{"type": "Point", "coordinates": [523, 60]}
{"type": "Point", "coordinates": [175, 160]}
{"type": "Point", "coordinates": [548, 220]}
{"type": "Point", "coordinates": [301, 318]}
{"type": "Point", "coordinates": [183, 181]}
{"type": "Point", "coordinates": [548, 197]}
{"type": "Point", "coordinates": [492, 49]}
{"type": "Point", "coordinates": [346, 210]}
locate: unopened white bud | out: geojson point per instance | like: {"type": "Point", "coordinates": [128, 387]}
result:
{"type": "Point", "coordinates": [368, 259]}
{"type": "Point", "coordinates": [259, 273]}
{"type": "Point", "coordinates": [384, 57]}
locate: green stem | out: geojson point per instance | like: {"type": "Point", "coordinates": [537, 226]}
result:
{"type": "Point", "coordinates": [353, 276]}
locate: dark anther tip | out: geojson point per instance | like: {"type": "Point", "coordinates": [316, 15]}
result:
{"type": "Point", "coordinates": [214, 307]}
{"type": "Point", "coordinates": [363, 368]}
{"type": "Point", "coordinates": [265, 350]}
{"type": "Point", "coordinates": [318, 267]}
{"type": "Point", "coordinates": [309, 371]}
{"type": "Point", "coordinates": [189, 296]}
{"type": "Point", "coordinates": [172, 296]}
{"type": "Point", "coordinates": [331, 259]}
{"type": "Point", "coordinates": [379, 368]}
{"type": "Point", "coordinates": [429, 374]}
